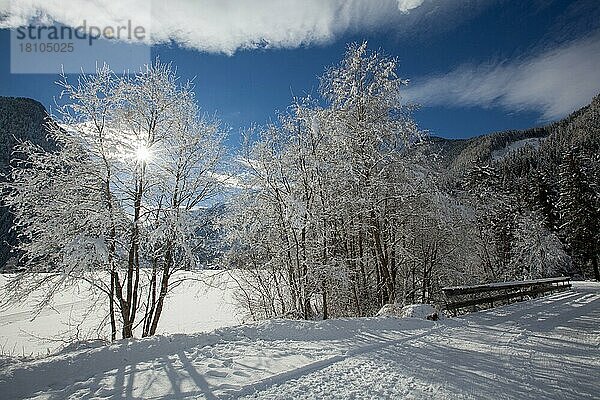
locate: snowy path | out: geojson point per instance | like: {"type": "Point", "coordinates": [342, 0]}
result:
{"type": "Point", "coordinates": [542, 349]}
{"type": "Point", "coordinates": [547, 348]}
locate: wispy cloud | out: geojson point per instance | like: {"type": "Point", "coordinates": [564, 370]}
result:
{"type": "Point", "coordinates": [222, 25]}
{"type": "Point", "coordinates": [553, 82]}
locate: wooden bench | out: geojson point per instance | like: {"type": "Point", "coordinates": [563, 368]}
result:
{"type": "Point", "coordinates": [477, 296]}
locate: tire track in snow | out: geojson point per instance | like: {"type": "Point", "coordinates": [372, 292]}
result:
{"type": "Point", "coordinates": [266, 383]}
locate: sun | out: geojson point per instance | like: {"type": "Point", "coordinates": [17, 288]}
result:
{"type": "Point", "coordinates": [143, 153]}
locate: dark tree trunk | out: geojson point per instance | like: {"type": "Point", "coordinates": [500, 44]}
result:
{"type": "Point", "coordinates": [151, 302]}
{"type": "Point", "coordinates": [111, 305]}
{"type": "Point", "coordinates": [164, 286]}
{"type": "Point", "coordinates": [126, 331]}
{"type": "Point", "coordinates": [324, 291]}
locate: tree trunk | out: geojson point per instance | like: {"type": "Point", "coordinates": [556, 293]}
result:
{"type": "Point", "coordinates": [133, 264]}
{"type": "Point", "coordinates": [164, 286]}
{"type": "Point", "coordinates": [151, 302]}
{"type": "Point", "coordinates": [385, 272]}
{"type": "Point", "coordinates": [126, 331]}
{"type": "Point", "coordinates": [111, 306]}
{"type": "Point", "coordinates": [324, 291]}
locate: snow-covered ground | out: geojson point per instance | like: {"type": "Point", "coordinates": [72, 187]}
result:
{"type": "Point", "coordinates": [540, 349]}
{"type": "Point", "coordinates": [515, 146]}
{"type": "Point", "coordinates": [201, 304]}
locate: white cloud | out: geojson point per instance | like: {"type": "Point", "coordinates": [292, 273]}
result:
{"type": "Point", "coordinates": [554, 82]}
{"type": "Point", "coordinates": [407, 5]}
{"type": "Point", "coordinates": [221, 25]}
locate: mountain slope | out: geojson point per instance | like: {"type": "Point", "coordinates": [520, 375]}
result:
{"type": "Point", "coordinates": [579, 128]}
{"type": "Point", "coordinates": [21, 119]}
{"type": "Point", "coordinates": [550, 175]}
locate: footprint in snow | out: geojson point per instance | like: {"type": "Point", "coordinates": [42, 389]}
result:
{"type": "Point", "coordinates": [216, 373]}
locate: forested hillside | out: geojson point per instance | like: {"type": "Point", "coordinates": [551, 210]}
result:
{"type": "Point", "coordinates": [551, 171]}
{"type": "Point", "coordinates": [578, 129]}
{"type": "Point", "coordinates": [20, 120]}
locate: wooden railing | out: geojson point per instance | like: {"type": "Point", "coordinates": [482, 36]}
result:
{"type": "Point", "coordinates": [480, 296]}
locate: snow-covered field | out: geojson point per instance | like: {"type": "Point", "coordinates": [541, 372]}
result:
{"type": "Point", "coordinates": [512, 147]}
{"type": "Point", "coordinates": [541, 349]}
{"type": "Point", "coordinates": [199, 305]}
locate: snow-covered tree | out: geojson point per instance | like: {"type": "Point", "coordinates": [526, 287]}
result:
{"type": "Point", "coordinates": [119, 198]}
{"type": "Point", "coordinates": [537, 252]}
{"type": "Point", "coordinates": [579, 208]}
{"type": "Point", "coordinates": [327, 189]}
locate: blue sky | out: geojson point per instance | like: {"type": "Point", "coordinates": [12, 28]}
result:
{"type": "Point", "coordinates": [475, 66]}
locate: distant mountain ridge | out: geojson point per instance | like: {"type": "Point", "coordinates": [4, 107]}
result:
{"type": "Point", "coordinates": [576, 129]}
